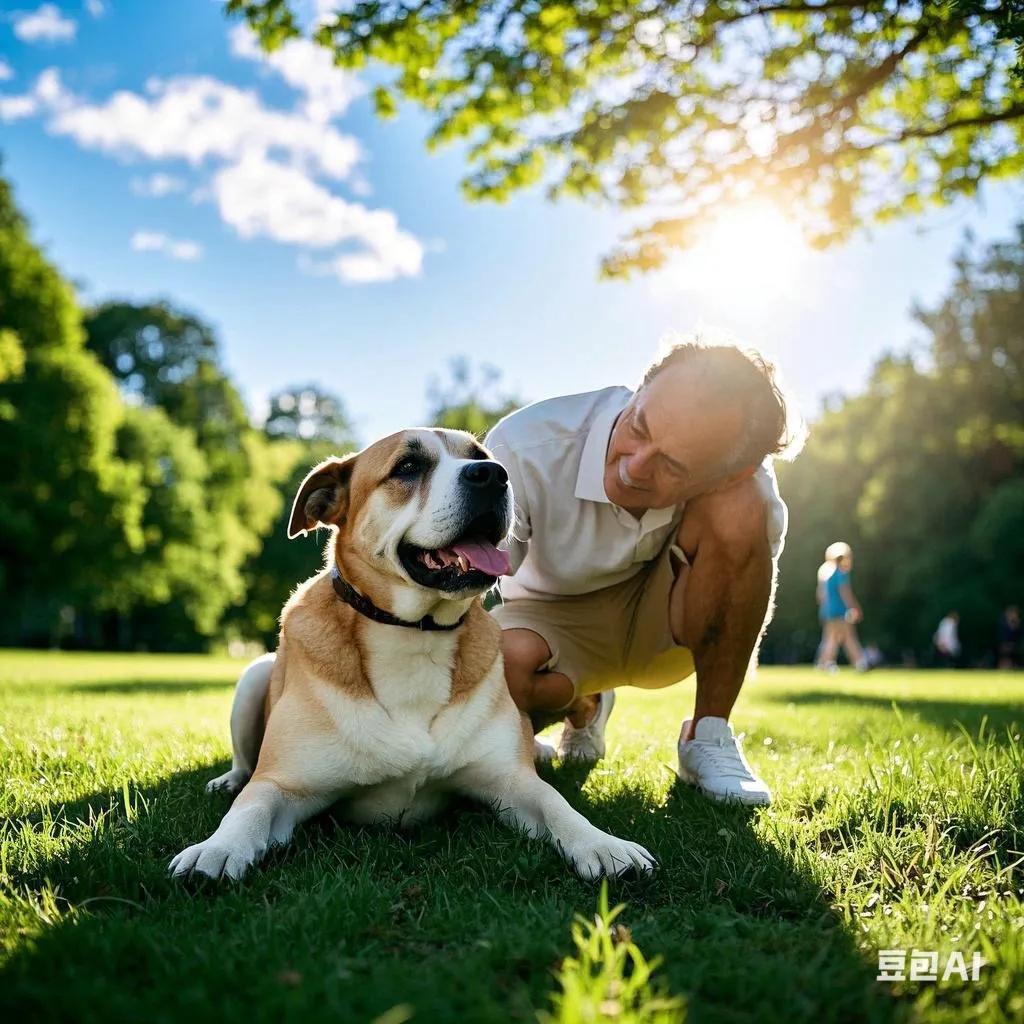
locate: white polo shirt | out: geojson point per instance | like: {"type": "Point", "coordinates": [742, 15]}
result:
{"type": "Point", "coordinates": [568, 537]}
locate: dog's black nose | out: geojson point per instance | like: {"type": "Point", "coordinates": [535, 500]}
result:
{"type": "Point", "coordinates": [491, 475]}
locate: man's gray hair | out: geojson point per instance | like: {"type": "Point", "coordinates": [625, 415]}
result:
{"type": "Point", "coordinates": [746, 379]}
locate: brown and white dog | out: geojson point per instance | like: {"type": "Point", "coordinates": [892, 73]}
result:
{"type": "Point", "coordinates": [388, 687]}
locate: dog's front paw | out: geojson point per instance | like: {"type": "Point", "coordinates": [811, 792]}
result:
{"type": "Point", "coordinates": [214, 858]}
{"type": "Point", "coordinates": [229, 782]}
{"type": "Point", "coordinates": [603, 855]}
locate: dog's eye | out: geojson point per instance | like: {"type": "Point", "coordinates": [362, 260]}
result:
{"type": "Point", "coordinates": [409, 466]}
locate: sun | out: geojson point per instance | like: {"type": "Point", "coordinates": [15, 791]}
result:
{"type": "Point", "coordinates": [750, 254]}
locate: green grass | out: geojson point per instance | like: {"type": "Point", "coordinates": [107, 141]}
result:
{"type": "Point", "coordinates": [891, 829]}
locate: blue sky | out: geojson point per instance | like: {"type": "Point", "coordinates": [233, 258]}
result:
{"type": "Point", "coordinates": [326, 245]}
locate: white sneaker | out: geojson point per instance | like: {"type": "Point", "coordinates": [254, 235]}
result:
{"type": "Point", "coordinates": [714, 763]}
{"type": "Point", "coordinates": [587, 744]}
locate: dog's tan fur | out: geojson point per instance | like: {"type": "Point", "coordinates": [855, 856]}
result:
{"type": "Point", "coordinates": [383, 717]}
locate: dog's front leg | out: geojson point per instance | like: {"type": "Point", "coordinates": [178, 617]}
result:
{"type": "Point", "coordinates": [263, 814]}
{"type": "Point", "coordinates": [521, 798]}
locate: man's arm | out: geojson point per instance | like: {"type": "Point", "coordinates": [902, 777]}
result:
{"type": "Point", "coordinates": [851, 602]}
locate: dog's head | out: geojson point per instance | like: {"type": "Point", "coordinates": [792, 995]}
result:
{"type": "Point", "coordinates": [418, 514]}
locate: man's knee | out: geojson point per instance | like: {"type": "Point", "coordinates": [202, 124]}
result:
{"type": "Point", "coordinates": [733, 521]}
{"type": "Point", "coordinates": [524, 652]}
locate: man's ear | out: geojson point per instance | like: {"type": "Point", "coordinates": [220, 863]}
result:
{"type": "Point", "coordinates": [322, 498]}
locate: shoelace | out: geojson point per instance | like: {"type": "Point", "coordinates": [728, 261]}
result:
{"type": "Point", "coordinates": [727, 760]}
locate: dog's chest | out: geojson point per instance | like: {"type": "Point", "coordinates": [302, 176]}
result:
{"type": "Point", "coordinates": [411, 673]}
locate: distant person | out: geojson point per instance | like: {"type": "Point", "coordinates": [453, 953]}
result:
{"type": "Point", "coordinates": [1008, 641]}
{"type": "Point", "coordinates": [947, 641]}
{"type": "Point", "coordinates": [838, 609]}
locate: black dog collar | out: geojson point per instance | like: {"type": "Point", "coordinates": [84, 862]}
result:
{"type": "Point", "coordinates": [366, 607]}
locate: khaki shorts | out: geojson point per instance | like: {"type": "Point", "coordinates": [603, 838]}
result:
{"type": "Point", "coordinates": [616, 636]}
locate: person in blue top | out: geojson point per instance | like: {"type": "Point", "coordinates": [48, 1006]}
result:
{"type": "Point", "coordinates": [838, 609]}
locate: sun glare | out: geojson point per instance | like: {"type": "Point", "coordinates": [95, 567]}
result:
{"type": "Point", "coordinates": [750, 254]}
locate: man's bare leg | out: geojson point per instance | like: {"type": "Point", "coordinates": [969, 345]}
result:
{"type": "Point", "coordinates": [719, 603]}
{"type": "Point", "coordinates": [533, 690]}
{"type": "Point", "coordinates": [525, 652]}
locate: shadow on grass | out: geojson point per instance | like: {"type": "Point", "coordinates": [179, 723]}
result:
{"type": "Point", "coordinates": [157, 687]}
{"type": "Point", "coordinates": [998, 716]}
{"type": "Point", "coordinates": [460, 919]}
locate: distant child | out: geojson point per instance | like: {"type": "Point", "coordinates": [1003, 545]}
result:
{"type": "Point", "coordinates": [838, 609]}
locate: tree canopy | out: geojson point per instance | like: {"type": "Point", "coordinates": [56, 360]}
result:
{"type": "Point", "coordinates": [308, 413]}
{"type": "Point", "coordinates": [842, 112]}
{"type": "Point", "coordinates": [66, 496]}
{"type": "Point", "coordinates": [206, 473]}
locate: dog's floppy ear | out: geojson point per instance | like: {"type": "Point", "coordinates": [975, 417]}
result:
{"type": "Point", "coordinates": [322, 498]}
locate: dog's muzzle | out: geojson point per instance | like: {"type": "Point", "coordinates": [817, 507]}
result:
{"type": "Point", "coordinates": [471, 559]}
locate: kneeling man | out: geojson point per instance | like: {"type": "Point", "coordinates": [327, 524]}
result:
{"type": "Point", "coordinates": [648, 529]}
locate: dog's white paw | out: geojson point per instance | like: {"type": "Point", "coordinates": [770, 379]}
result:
{"type": "Point", "coordinates": [603, 855]}
{"type": "Point", "coordinates": [215, 858]}
{"type": "Point", "coordinates": [229, 782]}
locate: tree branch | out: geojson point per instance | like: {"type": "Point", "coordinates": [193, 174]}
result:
{"type": "Point", "coordinates": [1011, 113]}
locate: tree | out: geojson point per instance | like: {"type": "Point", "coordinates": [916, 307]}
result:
{"type": "Point", "coordinates": [281, 564]}
{"type": "Point", "coordinates": [307, 413]}
{"type": "Point", "coordinates": [923, 474]}
{"type": "Point", "coordinates": [151, 348]}
{"type": "Point", "coordinates": [66, 497]}
{"type": "Point", "coordinates": [305, 425]}
{"type": "Point", "coordinates": [471, 400]}
{"type": "Point", "coordinates": [843, 112]}
{"type": "Point", "coordinates": [168, 360]}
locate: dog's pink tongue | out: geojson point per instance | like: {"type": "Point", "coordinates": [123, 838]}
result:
{"type": "Point", "coordinates": [484, 556]}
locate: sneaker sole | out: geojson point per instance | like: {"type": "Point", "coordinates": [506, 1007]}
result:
{"type": "Point", "coordinates": [722, 798]}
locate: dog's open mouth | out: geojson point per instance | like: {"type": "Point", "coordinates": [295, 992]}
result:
{"type": "Point", "coordinates": [473, 560]}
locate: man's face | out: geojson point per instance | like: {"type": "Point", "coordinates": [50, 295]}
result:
{"type": "Point", "coordinates": [671, 443]}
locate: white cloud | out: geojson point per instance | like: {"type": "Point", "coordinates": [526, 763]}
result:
{"type": "Point", "coordinates": [157, 185]}
{"type": "Point", "coordinates": [97, 8]}
{"type": "Point", "coordinates": [315, 12]}
{"type": "Point", "coordinates": [44, 25]}
{"type": "Point", "coordinates": [6, 71]}
{"type": "Point", "coordinates": [259, 197]}
{"type": "Point", "coordinates": [156, 241]}
{"type": "Point", "coordinates": [47, 94]}
{"type": "Point", "coordinates": [50, 90]}
{"type": "Point", "coordinates": [13, 108]}
{"type": "Point", "coordinates": [197, 118]}
{"type": "Point", "coordinates": [306, 67]}
{"type": "Point", "coordinates": [265, 165]}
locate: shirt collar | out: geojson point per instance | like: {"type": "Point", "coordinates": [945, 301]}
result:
{"type": "Point", "coordinates": [590, 479]}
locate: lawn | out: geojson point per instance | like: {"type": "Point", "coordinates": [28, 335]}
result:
{"type": "Point", "coordinates": [897, 821]}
